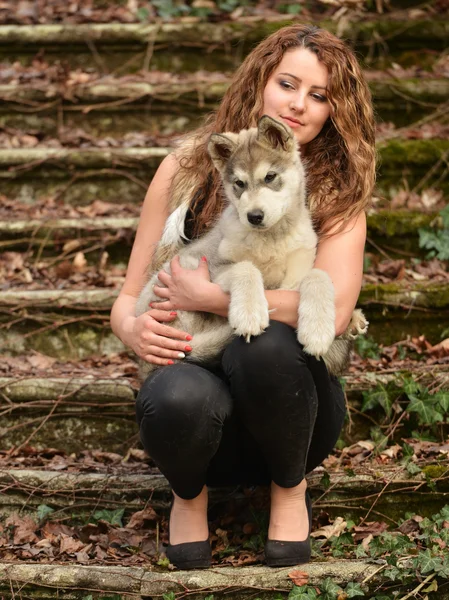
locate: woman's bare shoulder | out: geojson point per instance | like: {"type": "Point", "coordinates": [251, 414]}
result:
{"type": "Point", "coordinates": [153, 216]}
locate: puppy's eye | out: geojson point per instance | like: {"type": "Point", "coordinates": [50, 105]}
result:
{"type": "Point", "coordinates": [239, 183]}
{"type": "Point", "coordinates": [270, 176]}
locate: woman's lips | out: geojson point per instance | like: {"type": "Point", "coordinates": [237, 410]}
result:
{"type": "Point", "coordinates": [294, 123]}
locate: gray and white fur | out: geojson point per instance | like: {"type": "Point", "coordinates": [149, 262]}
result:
{"type": "Point", "coordinates": [264, 239]}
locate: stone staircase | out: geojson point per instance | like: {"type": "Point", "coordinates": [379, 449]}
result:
{"type": "Point", "coordinates": [88, 111]}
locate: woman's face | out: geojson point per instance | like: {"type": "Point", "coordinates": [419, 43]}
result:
{"type": "Point", "coordinates": [296, 94]}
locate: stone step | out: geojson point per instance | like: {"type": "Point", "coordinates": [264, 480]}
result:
{"type": "Point", "coordinates": [181, 47]}
{"type": "Point", "coordinates": [78, 494]}
{"type": "Point", "coordinates": [80, 176]}
{"type": "Point", "coordinates": [395, 228]}
{"type": "Point", "coordinates": [74, 324]}
{"type": "Point", "coordinates": [108, 106]}
{"type": "Point", "coordinates": [76, 413]}
{"type": "Point", "coordinates": [75, 582]}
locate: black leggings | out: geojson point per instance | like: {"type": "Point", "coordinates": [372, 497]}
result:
{"type": "Point", "coordinates": [268, 412]}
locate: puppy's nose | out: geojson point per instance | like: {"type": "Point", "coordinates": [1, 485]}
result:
{"type": "Point", "coordinates": [255, 217]}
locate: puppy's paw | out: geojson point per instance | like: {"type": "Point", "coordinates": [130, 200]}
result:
{"type": "Point", "coordinates": [358, 324]}
{"type": "Point", "coordinates": [316, 337]}
{"type": "Point", "coordinates": [316, 324]}
{"type": "Point", "coordinates": [248, 322]}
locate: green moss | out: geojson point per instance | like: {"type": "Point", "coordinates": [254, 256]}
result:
{"type": "Point", "coordinates": [391, 223]}
{"type": "Point", "coordinates": [409, 153]}
{"type": "Point", "coordinates": [421, 294]}
{"type": "Point", "coordinates": [435, 471]}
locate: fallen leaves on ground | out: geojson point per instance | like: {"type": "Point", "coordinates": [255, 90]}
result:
{"type": "Point", "coordinates": [49, 208]}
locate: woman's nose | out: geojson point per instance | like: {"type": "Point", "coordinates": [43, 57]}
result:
{"type": "Point", "coordinates": [298, 103]}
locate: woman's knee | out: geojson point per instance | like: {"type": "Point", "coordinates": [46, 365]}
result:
{"type": "Point", "coordinates": [182, 389]}
{"type": "Point", "coordinates": [277, 344]}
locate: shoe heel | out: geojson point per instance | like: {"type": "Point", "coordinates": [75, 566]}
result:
{"type": "Point", "coordinates": [189, 555]}
{"type": "Point", "coordinates": [286, 554]}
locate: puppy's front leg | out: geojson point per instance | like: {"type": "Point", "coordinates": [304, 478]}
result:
{"type": "Point", "coordinates": [316, 322]}
{"type": "Point", "coordinates": [248, 308]}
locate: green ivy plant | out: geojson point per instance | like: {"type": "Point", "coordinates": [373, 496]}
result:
{"type": "Point", "coordinates": [437, 242]}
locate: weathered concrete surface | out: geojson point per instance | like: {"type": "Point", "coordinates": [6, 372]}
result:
{"type": "Point", "coordinates": [152, 583]}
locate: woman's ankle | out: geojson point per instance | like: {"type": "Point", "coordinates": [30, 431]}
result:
{"type": "Point", "coordinates": [188, 519]}
{"type": "Point", "coordinates": [288, 513]}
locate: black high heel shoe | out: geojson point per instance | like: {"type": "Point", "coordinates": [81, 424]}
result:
{"type": "Point", "coordinates": [287, 554]}
{"type": "Point", "coordinates": [189, 555]}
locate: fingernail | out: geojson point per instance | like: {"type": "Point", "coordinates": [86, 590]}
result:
{"type": "Point", "coordinates": [204, 259]}
{"type": "Point", "coordinates": [181, 355]}
{"type": "Point", "coordinates": [189, 337]}
{"type": "Point", "coordinates": [188, 348]}
{"type": "Point", "coordinates": [173, 313]}
{"type": "Point", "coordinates": [170, 362]}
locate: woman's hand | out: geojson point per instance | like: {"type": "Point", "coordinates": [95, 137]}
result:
{"type": "Point", "coordinates": [155, 342]}
{"type": "Point", "coordinates": [183, 289]}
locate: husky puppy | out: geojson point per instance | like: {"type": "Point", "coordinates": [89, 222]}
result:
{"type": "Point", "coordinates": [264, 239]}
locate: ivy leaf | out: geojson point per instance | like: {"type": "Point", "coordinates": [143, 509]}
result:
{"type": "Point", "coordinates": [372, 399]}
{"type": "Point", "coordinates": [445, 214]}
{"type": "Point", "coordinates": [360, 552]}
{"type": "Point", "coordinates": [114, 517]}
{"type": "Point", "coordinates": [330, 588]}
{"type": "Point", "coordinates": [43, 511]}
{"type": "Point", "coordinates": [427, 563]}
{"type": "Point", "coordinates": [410, 386]}
{"type": "Point", "coordinates": [303, 592]}
{"type": "Point", "coordinates": [325, 480]}
{"type": "Point", "coordinates": [443, 571]}
{"type": "Point", "coordinates": [443, 400]}
{"type": "Point", "coordinates": [353, 589]}
{"type": "Point", "coordinates": [412, 468]}
{"type": "Point", "coordinates": [392, 573]}
{"type": "Point", "coordinates": [427, 414]}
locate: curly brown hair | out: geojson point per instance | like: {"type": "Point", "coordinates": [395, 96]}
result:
{"type": "Point", "coordinates": [340, 161]}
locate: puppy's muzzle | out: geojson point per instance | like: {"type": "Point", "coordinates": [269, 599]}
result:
{"type": "Point", "coordinates": [255, 217]}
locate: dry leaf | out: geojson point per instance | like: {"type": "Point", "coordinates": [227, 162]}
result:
{"type": "Point", "coordinates": [366, 541]}
{"type": "Point", "coordinates": [40, 361]}
{"type": "Point", "coordinates": [327, 531]}
{"type": "Point", "coordinates": [366, 445]}
{"type": "Point", "coordinates": [79, 262]}
{"type": "Point", "coordinates": [71, 245]}
{"type": "Point", "coordinates": [24, 528]}
{"type": "Point", "coordinates": [69, 545]}
{"type": "Point", "coordinates": [138, 519]}
{"type": "Point", "coordinates": [299, 578]}
{"type": "Point", "coordinates": [440, 350]}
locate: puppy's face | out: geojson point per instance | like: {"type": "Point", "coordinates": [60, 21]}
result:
{"type": "Point", "coordinates": [261, 172]}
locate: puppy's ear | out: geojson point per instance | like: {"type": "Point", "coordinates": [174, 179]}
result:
{"type": "Point", "coordinates": [275, 135]}
{"type": "Point", "coordinates": [220, 148]}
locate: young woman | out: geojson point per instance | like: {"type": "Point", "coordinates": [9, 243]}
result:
{"type": "Point", "coordinates": [269, 413]}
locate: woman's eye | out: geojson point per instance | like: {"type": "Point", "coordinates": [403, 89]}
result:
{"type": "Point", "coordinates": [319, 97]}
{"type": "Point", "coordinates": [286, 85]}
{"type": "Point", "coordinates": [269, 177]}
{"type": "Point", "coordinates": [239, 183]}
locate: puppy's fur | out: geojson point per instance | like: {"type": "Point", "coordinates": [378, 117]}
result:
{"type": "Point", "coordinates": [264, 239]}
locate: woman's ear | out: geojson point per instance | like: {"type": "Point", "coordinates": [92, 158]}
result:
{"type": "Point", "coordinates": [220, 148]}
{"type": "Point", "coordinates": [275, 134]}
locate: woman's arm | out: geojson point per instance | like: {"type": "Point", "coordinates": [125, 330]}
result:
{"type": "Point", "coordinates": [341, 256]}
{"type": "Point", "coordinates": [150, 339]}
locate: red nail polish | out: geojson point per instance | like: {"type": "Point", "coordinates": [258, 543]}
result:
{"type": "Point", "coordinates": [188, 348]}
{"type": "Point", "coordinates": [204, 259]}
{"type": "Point", "coordinates": [189, 337]}
{"type": "Point", "coordinates": [174, 313]}
{"type": "Point", "coordinates": [170, 362]}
